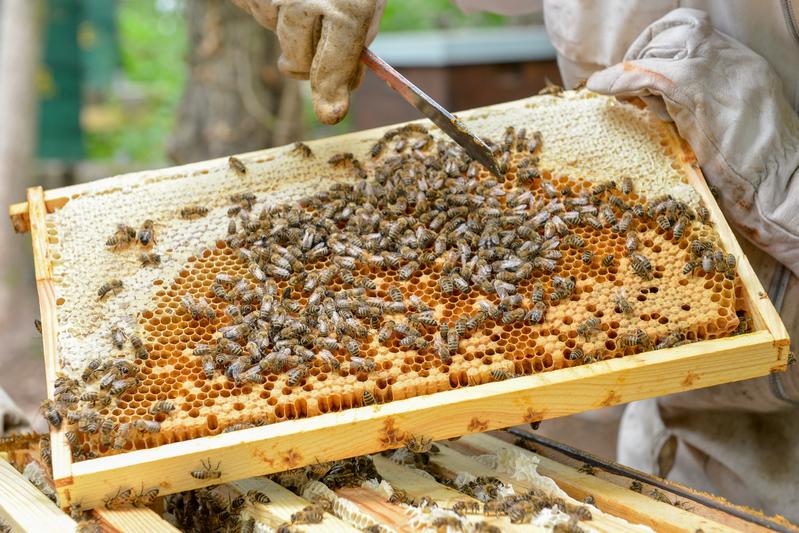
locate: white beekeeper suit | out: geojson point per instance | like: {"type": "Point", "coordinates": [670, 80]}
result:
{"type": "Point", "coordinates": [727, 73]}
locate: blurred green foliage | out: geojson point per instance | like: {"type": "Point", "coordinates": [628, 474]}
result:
{"type": "Point", "coordinates": [406, 15]}
{"type": "Point", "coordinates": [134, 123]}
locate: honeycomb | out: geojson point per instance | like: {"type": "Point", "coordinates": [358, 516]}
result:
{"type": "Point", "coordinates": [586, 141]}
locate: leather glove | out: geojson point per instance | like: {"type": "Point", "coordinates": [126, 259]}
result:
{"type": "Point", "coordinates": [728, 103]}
{"type": "Point", "coordinates": [321, 40]}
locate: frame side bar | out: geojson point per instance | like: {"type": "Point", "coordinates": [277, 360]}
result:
{"type": "Point", "coordinates": [61, 455]}
{"type": "Point", "coordinates": [766, 316]}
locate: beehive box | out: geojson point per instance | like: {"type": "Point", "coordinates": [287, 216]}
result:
{"type": "Point", "coordinates": [561, 367]}
{"type": "Point", "coordinates": [533, 484]}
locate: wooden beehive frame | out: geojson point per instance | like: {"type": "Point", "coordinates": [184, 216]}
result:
{"type": "Point", "coordinates": [364, 430]}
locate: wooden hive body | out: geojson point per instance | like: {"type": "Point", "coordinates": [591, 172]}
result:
{"type": "Point", "coordinates": [586, 140]}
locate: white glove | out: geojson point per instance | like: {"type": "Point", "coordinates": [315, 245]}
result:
{"type": "Point", "coordinates": [730, 106]}
{"type": "Point", "coordinates": [321, 40]}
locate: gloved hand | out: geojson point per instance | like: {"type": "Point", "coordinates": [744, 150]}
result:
{"type": "Point", "coordinates": [321, 40]}
{"type": "Point", "coordinates": [729, 104]}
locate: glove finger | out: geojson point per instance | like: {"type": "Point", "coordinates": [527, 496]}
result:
{"type": "Point", "coordinates": [631, 78]}
{"type": "Point", "coordinates": [296, 31]}
{"type": "Point", "coordinates": [335, 67]}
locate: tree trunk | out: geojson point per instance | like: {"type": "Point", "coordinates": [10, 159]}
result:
{"type": "Point", "coordinates": [19, 55]}
{"type": "Point", "coordinates": [235, 100]}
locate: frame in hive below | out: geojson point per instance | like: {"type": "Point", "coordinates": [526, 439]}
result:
{"type": "Point", "coordinates": [360, 430]}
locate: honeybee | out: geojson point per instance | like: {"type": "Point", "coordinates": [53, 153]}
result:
{"type": "Point", "coordinates": [256, 496]}
{"type": "Point", "coordinates": [679, 228]}
{"type": "Point", "coordinates": [637, 338]}
{"type": "Point", "coordinates": [386, 331]}
{"type": "Point", "coordinates": [296, 374]}
{"type": "Point", "coordinates": [139, 349]}
{"type": "Point", "coordinates": [147, 426]}
{"type": "Point", "coordinates": [146, 497]}
{"type": "Point", "coordinates": [707, 262]}
{"type": "Point", "coordinates": [663, 222]}
{"type": "Point", "coordinates": [122, 434]}
{"type": "Point", "coordinates": [341, 159]}
{"type": "Point", "coordinates": [120, 499]}
{"type": "Point", "coordinates": [209, 366]}
{"type": "Point", "coordinates": [446, 285]}
{"type": "Point", "coordinates": [537, 313]}
{"type": "Point", "coordinates": [515, 315]}
{"type": "Point", "coordinates": [329, 359]}
{"type": "Point", "coordinates": [149, 259]}
{"type": "Point", "coordinates": [237, 165]}
{"type": "Point", "coordinates": [425, 318]}
{"type": "Point", "coordinates": [586, 328]}
{"type": "Point", "coordinates": [627, 185]}
{"type": "Point", "coordinates": [501, 375]}
{"type": "Point", "coordinates": [574, 240]}
{"type": "Point", "coordinates": [408, 270]}
{"type": "Point", "coordinates": [118, 337]}
{"type": "Point", "coordinates": [632, 243]}
{"type": "Point", "coordinates": [162, 406]}
{"type": "Point", "coordinates": [420, 444]}
{"type": "Point", "coordinates": [208, 471]}
{"type": "Point", "coordinates": [312, 514]}
{"type": "Point", "coordinates": [576, 354]}
{"type": "Point", "coordinates": [113, 285]}
{"type": "Point", "coordinates": [675, 338]}
{"type": "Point", "coordinates": [527, 174]}
{"type": "Point", "coordinates": [368, 398]}
{"type": "Point", "coordinates": [193, 211]}
{"type": "Point", "coordinates": [302, 149]}
{"type": "Point", "coordinates": [146, 233]}
{"type": "Point", "coordinates": [607, 216]}
{"type": "Point", "coordinates": [689, 267]}
{"type": "Point", "coordinates": [51, 414]}
{"type": "Point", "coordinates": [730, 261]}
{"type": "Point", "coordinates": [703, 213]}
{"type": "Point", "coordinates": [377, 148]}
{"type": "Point", "coordinates": [91, 369]}
{"type": "Point", "coordinates": [453, 340]}
{"type": "Point", "coordinates": [119, 386]}
{"type": "Point", "coordinates": [624, 223]}
{"type": "Point", "coordinates": [537, 294]}
{"type": "Point", "coordinates": [366, 364]}
{"type": "Point", "coordinates": [622, 303]}
{"type": "Point", "coordinates": [587, 257]}
{"type": "Point", "coordinates": [641, 266]}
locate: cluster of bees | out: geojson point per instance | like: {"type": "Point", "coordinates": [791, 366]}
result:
{"type": "Point", "coordinates": [126, 236]}
{"type": "Point", "coordinates": [425, 205]}
{"type": "Point", "coordinates": [76, 403]}
{"type": "Point", "coordinates": [490, 497]}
